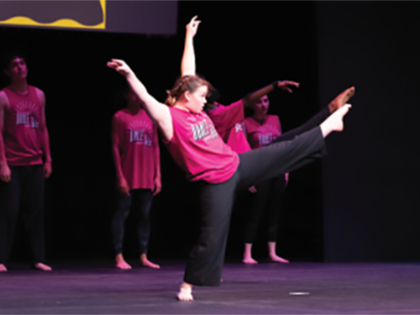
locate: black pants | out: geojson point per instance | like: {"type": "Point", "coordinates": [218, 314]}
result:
{"type": "Point", "coordinates": [139, 202]}
{"type": "Point", "coordinates": [266, 201]}
{"type": "Point", "coordinates": [25, 192]}
{"type": "Point", "coordinates": [205, 263]}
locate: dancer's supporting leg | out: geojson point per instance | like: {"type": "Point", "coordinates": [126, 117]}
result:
{"type": "Point", "coordinates": [205, 263]}
{"type": "Point", "coordinates": [142, 203]}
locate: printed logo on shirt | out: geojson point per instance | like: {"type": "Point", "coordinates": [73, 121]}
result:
{"type": "Point", "coordinates": [203, 129]}
{"type": "Point", "coordinates": [140, 136]}
{"type": "Point", "coordinates": [267, 134]}
{"type": "Point", "coordinates": [239, 127]}
{"type": "Point", "coordinates": [141, 132]}
{"type": "Point", "coordinates": [26, 115]}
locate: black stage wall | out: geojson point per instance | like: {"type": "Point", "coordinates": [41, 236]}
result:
{"type": "Point", "coordinates": [241, 46]}
{"type": "Point", "coordinates": [371, 176]}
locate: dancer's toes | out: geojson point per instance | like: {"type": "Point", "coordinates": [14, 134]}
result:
{"type": "Point", "coordinates": [42, 267]}
{"type": "Point", "coordinates": [147, 263]}
{"type": "Point", "coordinates": [185, 293]}
{"type": "Point", "coordinates": [3, 268]}
{"type": "Point", "coordinates": [278, 259]}
{"type": "Point", "coordinates": [249, 261]}
{"type": "Point", "coordinates": [341, 99]}
{"type": "Point", "coordinates": [123, 265]}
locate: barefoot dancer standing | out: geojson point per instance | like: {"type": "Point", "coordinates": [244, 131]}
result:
{"type": "Point", "coordinates": [231, 126]}
{"type": "Point", "coordinates": [137, 163]}
{"type": "Point", "coordinates": [219, 172]}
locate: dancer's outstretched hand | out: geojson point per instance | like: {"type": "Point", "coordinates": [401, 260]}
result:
{"type": "Point", "coordinates": [192, 27]}
{"type": "Point", "coordinates": [285, 85]}
{"type": "Point", "coordinates": [120, 66]}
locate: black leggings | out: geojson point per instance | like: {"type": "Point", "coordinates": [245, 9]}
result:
{"type": "Point", "coordinates": [139, 202]}
{"type": "Point", "coordinates": [25, 192]}
{"type": "Point", "coordinates": [204, 266]}
{"type": "Point", "coordinates": [267, 200]}
{"type": "Point", "coordinates": [269, 196]}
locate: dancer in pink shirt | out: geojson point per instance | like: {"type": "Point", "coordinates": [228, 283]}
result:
{"type": "Point", "coordinates": [137, 163]}
{"type": "Point", "coordinates": [220, 172]}
{"type": "Point", "coordinates": [25, 160]}
{"type": "Point", "coordinates": [262, 130]}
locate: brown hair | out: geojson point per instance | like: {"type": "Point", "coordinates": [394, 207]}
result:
{"type": "Point", "coordinates": [186, 83]}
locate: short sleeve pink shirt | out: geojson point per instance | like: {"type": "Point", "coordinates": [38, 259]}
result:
{"type": "Point", "coordinates": [228, 121]}
{"type": "Point", "coordinates": [139, 148]}
{"type": "Point", "coordinates": [199, 150]}
{"type": "Point", "coordinates": [259, 134]}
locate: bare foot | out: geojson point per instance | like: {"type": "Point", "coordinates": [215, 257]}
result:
{"type": "Point", "coordinates": [3, 268]}
{"type": "Point", "coordinates": [185, 292]}
{"type": "Point", "coordinates": [123, 265]}
{"type": "Point", "coordinates": [275, 258]}
{"type": "Point", "coordinates": [341, 99]}
{"type": "Point", "coordinates": [120, 263]}
{"type": "Point", "coordinates": [147, 263]}
{"type": "Point", "coordinates": [249, 261]}
{"type": "Point", "coordinates": [43, 267]}
{"type": "Point", "coordinates": [335, 121]}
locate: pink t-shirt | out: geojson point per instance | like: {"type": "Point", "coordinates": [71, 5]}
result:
{"type": "Point", "coordinates": [22, 133]}
{"type": "Point", "coordinates": [139, 148]}
{"type": "Point", "coordinates": [228, 121]}
{"type": "Point", "coordinates": [260, 135]}
{"type": "Point", "coordinates": [199, 150]}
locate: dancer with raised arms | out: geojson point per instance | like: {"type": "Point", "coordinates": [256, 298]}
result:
{"type": "Point", "coordinates": [219, 172]}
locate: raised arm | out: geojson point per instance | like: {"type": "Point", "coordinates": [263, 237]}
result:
{"type": "Point", "coordinates": [252, 97]}
{"type": "Point", "coordinates": [158, 112]}
{"type": "Point", "coordinates": [5, 173]}
{"type": "Point", "coordinates": [188, 57]}
{"type": "Point", "coordinates": [45, 136]}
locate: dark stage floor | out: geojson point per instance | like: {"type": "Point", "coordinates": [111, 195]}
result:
{"type": "Point", "coordinates": [267, 288]}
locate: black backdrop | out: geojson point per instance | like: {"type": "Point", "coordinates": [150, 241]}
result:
{"type": "Point", "coordinates": [241, 46]}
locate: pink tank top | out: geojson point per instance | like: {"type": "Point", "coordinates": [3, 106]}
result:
{"type": "Point", "coordinates": [199, 150]}
{"type": "Point", "coordinates": [139, 148]}
{"type": "Point", "coordinates": [228, 121]}
{"type": "Point", "coordinates": [259, 134]}
{"type": "Point", "coordinates": [22, 134]}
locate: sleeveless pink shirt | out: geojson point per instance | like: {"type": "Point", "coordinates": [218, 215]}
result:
{"type": "Point", "coordinates": [22, 135]}
{"type": "Point", "coordinates": [199, 150]}
{"type": "Point", "coordinates": [139, 148]}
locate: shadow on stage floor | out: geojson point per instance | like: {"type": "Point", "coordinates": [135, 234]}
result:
{"type": "Point", "coordinates": [266, 288]}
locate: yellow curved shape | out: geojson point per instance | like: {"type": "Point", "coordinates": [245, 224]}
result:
{"type": "Point", "coordinates": [22, 20]}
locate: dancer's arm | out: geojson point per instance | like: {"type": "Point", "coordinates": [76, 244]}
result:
{"type": "Point", "coordinates": [188, 57]}
{"type": "Point", "coordinates": [45, 136]}
{"type": "Point", "coordinates": [5, 173]}
{"type": "Point", "coordinates": [122, 185]}
{"type": "Point", "coordinates": [158, 112]}
{"type": "Point", "coordinates": [252, 97]}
